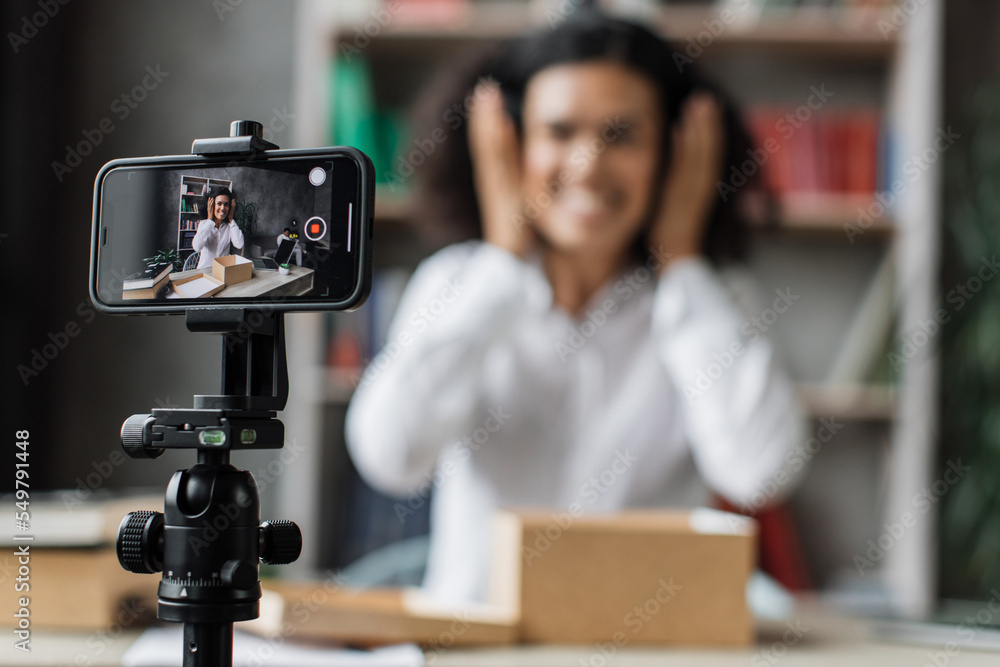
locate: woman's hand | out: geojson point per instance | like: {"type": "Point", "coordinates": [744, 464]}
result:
{"type": "Point", "coordinates": [690, 191]}
{"type": "Point", "coordinates": [496, 165]}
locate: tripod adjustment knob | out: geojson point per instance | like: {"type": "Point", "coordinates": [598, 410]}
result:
{"type": "Point", "coordinates": [140, 542]}
{"type": "Point", "coordinates": [137, 432]}
{"type": "Point", "coordinates": [239, 573]}
{"type": "Point", "coordinates": [280, 542]}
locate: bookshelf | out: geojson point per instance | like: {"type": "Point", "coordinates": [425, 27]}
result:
{"type": "Point", "coordinates": [191, 208]}
{"type": "Point", "coordinates": [768, 62]}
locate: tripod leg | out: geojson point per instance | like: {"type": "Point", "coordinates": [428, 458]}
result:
{"type": "Point", "coordinates": [208, 644]}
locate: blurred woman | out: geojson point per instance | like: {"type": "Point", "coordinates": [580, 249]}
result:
{"type": "Point", "coordinates": [583, 354]}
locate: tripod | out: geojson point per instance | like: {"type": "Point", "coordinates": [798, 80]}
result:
{"type": "Point", "coordinates": [209, 540]}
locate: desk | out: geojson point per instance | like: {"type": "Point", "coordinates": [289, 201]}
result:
{"type": "Point", "coordinates": [265, 282]}
{"type": "Point", "coordinates": [826, 640]}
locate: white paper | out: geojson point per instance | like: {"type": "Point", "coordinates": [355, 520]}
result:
{"type": "Point", "coordinates": [708, 521]}
{"type": "Point", "coordinates": [195, 288]}
{"type": "Point", "coordinates": [161, 647]}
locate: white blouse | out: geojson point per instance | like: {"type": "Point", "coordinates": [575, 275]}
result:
{"type": "Point", "coordinates": [212, 241]}
{"type": "Point", "coordinates": [494, 397]}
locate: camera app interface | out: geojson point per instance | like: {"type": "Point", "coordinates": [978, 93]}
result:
{"type": "Point", "coordinates": [281, 229]}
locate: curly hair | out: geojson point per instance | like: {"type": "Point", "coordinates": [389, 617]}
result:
{"type": "Point", "coordinates": [444, 183]}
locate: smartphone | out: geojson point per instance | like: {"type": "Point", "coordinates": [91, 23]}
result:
{"type": "Point", "coordinates": [284, 231]}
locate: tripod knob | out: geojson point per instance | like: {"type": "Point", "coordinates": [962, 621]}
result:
{"type": "Point", "coordinates": [140, 542]}
{"type": "Point", "coordinates": [137, 432]}
{"type": "Point", "coordinates": [280, 542]}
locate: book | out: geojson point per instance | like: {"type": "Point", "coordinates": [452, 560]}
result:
{"type": "Point", "coordinates": [79, 517]}
{"type": "Point", "coordinates": [146, 278]}
{"type": "Point", "coordinates": [149, 292]}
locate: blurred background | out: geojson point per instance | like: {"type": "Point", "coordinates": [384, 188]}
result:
{"type": "Point", "coordinates": [895, 339]}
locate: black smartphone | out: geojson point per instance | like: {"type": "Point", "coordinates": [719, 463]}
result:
{"type": "Point", "coordinates": [286, 230]}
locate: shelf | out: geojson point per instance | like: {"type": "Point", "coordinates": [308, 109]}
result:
{"type": "Point", "coordinates": [856, 402]}
{"type": "Point", "coordinates": [853, 402]}
{"type": "Point", "coordinates": [843, 33]}
{"type": "Point", "coordinates": [833, 216]}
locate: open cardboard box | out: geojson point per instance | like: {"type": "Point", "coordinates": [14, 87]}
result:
{"type": "Point", "coordinates": [198, 286]}
{"type": "Point", "coordinates": [232, 269]}
{"type": "Point", "coordinates": [661, 577]}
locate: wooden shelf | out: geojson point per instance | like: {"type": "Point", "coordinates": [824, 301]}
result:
{"type": "Point", "coordinates": [846, 33]}
{"type": "Point", "coordinates": [849, 402]}
{"type": "Point", "coordinates": [855, 402]}
{"type": "Point", "coordinates": [834, 216]}
{"type": "Point", "coordinates": [813, 214]}
{"type": "Point", "coordinates": [849, 33]}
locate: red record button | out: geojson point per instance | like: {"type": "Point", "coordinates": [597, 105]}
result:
{"type": "Point", "coordinates": [315, 228]}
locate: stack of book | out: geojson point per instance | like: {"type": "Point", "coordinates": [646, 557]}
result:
{"type": "Point", "coordinates": [146, 284]}
{"type": "Point", "coordinates": [64, 565]}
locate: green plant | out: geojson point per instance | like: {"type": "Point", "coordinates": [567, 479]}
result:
{"type": "Point", "coordinates": [164, 257]}
{"type": "Point", "coordinates": [969, 528]}
{"type": "Point", "coordinates": [245, 218]}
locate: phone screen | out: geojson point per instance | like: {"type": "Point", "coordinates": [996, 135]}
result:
{"type": "Point", "coordinates": [285, 230]}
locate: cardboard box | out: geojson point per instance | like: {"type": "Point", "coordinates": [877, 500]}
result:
{"type": "Point", "coordinates": [638, 577]}
{"type": "Point", "coordinates": [198, 286]}
{"type": "Point", "coordinates": [232, 269]}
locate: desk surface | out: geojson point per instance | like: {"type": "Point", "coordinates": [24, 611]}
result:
{"type": "Point", "coordinates": [821, 639]}
{"type": "Point", "coordinates": [264, 282]}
